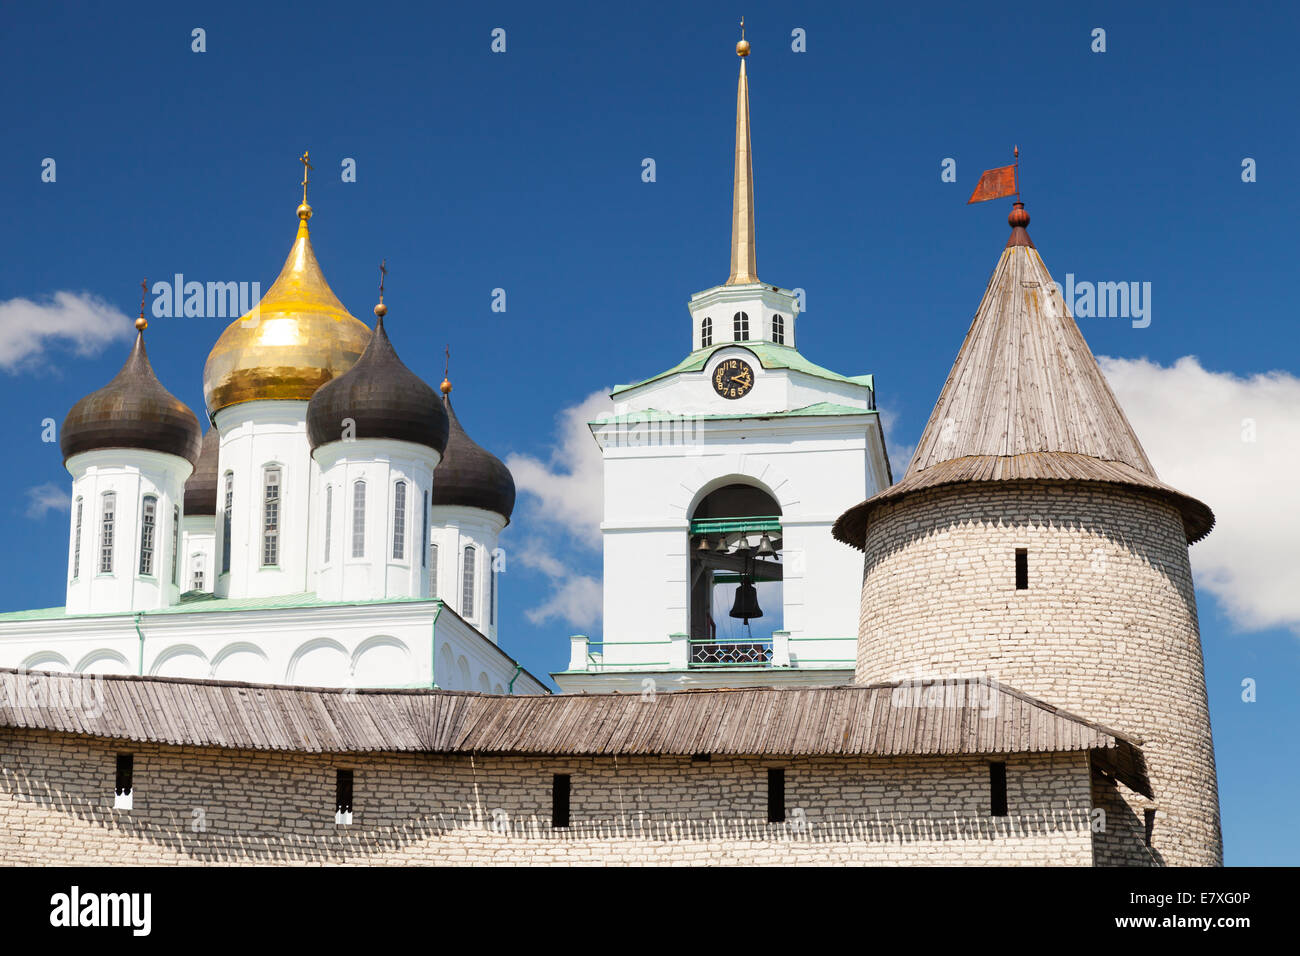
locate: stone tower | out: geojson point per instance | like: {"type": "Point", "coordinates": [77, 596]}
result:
{"type": "Point", "coordinates": [1031, 542]}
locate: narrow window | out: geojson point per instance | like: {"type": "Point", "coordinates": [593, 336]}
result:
{"type": "Point", "coordinates": [270, 517]}
{"type": "Point", "coordinates": [467, 584]}
{"type": "Point", "coordinates": [399, 521]}
{"type": "Point", "coordinates": [329, 519]}
{"type": "Point", "coordinates": [358, 519]}
{"type": "Point", "coordinates": [149, 518]}
{"type": "Point", "coordinates": [706, 332]}
{"type": "Point", "coordinates": [124, 787]}
{"type": "Point", "coordinates": [1149, 817]}
{"type": "Point", "coordinates": [998, 789]}
{"type": "Point", "coordinates": [424, 534]}
{"type": "Point", "coordinates": [433, 570]}
{"type": "Point", "coordinates": [1022, 569]}
{"type": "Point", "coordinates": [343, 797]}
{"type": "Point", "coordinates": [492, 593]}
{"type": "Point", "coordinates": [225, 523]}
{"type": "Point", "coordinates": [560, 800]}
{"type": "Point", "coordinates": [76, 543]}
{"type": "Point", "coordinates": [740, 324]}
{"type": "Point", "coordinates": [778, 329]}
{"type": "Point", "coordinates": [176, 546]}
{"type": "Point", "coordinates": [196, 577]}
{"type": "Point", "coordinates": [107, 514]}
{"type": "Point", "coordinates": [776, 795]}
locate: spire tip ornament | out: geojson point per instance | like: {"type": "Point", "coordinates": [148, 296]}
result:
{"type": "Point", "coordinates": [142, 323]}
{"type": "Point", "coordinates": [381, 310]}
{"type": "Point", "coordinates": [446, 372]}
{"type": "Point", "coordinates": [304, 210]}
{"type": "Point", "coordinates": [742, 48]}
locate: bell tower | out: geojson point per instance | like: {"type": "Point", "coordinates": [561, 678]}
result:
{"type": "Point", "coordinates": [722, 476]}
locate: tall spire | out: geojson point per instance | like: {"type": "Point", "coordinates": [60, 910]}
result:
{"type": "Point", "coordinates": [744, 257]}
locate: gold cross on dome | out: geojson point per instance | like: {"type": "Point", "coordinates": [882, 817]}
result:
{"type": "Point", "coordinates": [383, 274]}
{"type": "Point", "coordinates": [305, 159]}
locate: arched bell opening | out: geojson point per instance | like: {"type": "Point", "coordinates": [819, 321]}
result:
{"type": "Point", "coordinates": [737, 599]}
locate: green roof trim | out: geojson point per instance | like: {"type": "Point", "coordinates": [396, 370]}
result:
{"type": "Point", "coordinates": [201, 602]}
{"type": "Point", "coordinates": [820, 409]}
{"type": "Point", "coordinates": [769, 354]}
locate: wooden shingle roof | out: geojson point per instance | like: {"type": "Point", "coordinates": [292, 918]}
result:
{"type": "Point", "coordinates": [1026, 401]}
{"type": "Point", "coordinates": [972, 716]}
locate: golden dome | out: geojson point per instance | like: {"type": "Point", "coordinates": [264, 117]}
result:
{"type": "Point", "coordinates": [298, 338]}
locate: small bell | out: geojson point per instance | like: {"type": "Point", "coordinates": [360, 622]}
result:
{"type": "Point", "coordinates": [703, 545]}
{"type": "Point", "coordinates": [722, 544]}
{"type": "Point", "coordinates": [765, 549]}
{"type": "Point", "coordinates": [744, 542]}
{"type": "Point", "coordinates": [746, 603]}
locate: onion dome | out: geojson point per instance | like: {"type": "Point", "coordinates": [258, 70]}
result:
{"type": "Point", "coordinates": [201, 489]}
{"type": "Point", "coordinates": [297, 338]}
{"type": "Point", "coordinates": [132, 411]}
{"type": "Point", "coordinates": [1026, 402]}
{"type": "Point", "coordinates": [382, 396]}
{"type": "Point", "coordinates": [468, 475]}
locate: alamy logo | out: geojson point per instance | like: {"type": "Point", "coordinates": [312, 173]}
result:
{"type": "Point", "coordinates": [1107, 300]}
{"type": "Point", "coordinates": [75, 909]}
{"type": "Point", "coordinates": [211, 300]}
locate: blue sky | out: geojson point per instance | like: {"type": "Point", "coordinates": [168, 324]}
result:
{"type": "Point", "coordinates": [522, 171]}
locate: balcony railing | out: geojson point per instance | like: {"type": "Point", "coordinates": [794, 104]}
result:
{"type": "Point", "coordinates": [780, 651]}
{"type": "Point", "coordinates": [734, 653]}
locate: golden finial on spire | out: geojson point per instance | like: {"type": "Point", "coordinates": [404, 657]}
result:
{"type": "Point", "coordinates": [381, 310]}
{"type": "Point", "coordinates": [744, 256]}
{"type": "Point", "coordinates": [304, 211]}
{"type": "Point", "coordinates": [142, 323]}
{"type": "Point", "coordinates": [446, 371]}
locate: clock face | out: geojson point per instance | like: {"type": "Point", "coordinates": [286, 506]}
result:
{"type": "Point", "coordinates": [733, 378]}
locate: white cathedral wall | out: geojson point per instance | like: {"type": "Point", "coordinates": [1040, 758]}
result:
{"type": "Point", "coordinates": [398, 644]}
{"type": "Point", "coordinates": [376, 573]}
{"type": "Point", "coordinates": [198, 552]}
{"type": "Point", "coordinates": [255, 435]}
{"type": "Point", "coordinates": [453, 529]}
{"type": "Point", "coordinates": [815, 468]}
{"type": "Point", "coordinates": [129, 475]}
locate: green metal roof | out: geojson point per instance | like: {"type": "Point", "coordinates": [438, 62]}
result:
{"type": "Point", "coordinates": [193, 602]}
{"type": "Point", "coordinates": [769, 354]}
{"type": "Point", "coordinates": [807, 411]}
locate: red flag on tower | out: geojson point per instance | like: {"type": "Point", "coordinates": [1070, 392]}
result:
{"type": "Point", "coordinates": [996, 183]}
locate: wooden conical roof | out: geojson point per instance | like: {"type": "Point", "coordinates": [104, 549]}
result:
{"type": "Point", "coordinates": [1026, 401]}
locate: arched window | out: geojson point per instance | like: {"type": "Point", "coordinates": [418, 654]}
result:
{"type": "Point", "coordinates": [358, 519]}
{"type": "Point", "coordinates": [778, 329]}
{"type": "Point", "coordinates": [433, 570]}
{"type": "Point", "coordinates": [399, 521]}
{"type": "Point", "coordinates": [424, 537]}
{"type": "Point", "coordinates": [106, 515]}
{"type": "Point", "coordinates": [148, 521]}
{"type": "Point", "coordinates": [706, 332]}
{"type": "Point", "coordinates": [76, 542]}
{"type": "Point", "coordinates": [176, 545]}
{"type": "Point", "coordinates": [270, 516]}
{"type": "Point", "coordinates": [740, 326]}
{"type": "Point", "coordinates": [467, 584]}
{"type": "Point", "coordinates": [225, 522]}
{"type": "Point", "coordinates": [329, 519]}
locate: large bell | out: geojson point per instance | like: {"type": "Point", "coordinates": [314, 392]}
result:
{"type": "Point", "coordinates": [746, 604]}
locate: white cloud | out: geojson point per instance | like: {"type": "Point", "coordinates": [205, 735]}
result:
{"type": "Point", "coordinates": [900, 453]}
{"type": "Point", "coordinates": [567, 490]}
{"type": "Point", "coordinates": [1195, 425]}
{"type": "Point", "coordinates": [45, 498]}
{"type": "Point", "coordinates": [574, 598]}
{"type": "Point", "coordinates": [80, 321]}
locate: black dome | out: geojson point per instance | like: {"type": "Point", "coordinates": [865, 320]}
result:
{"type": "Point", "coordinates": [384, 397]}
{"type": "Point", "coordinates": [132, 411]}
{"type": "Point", "coordinates": [470, 476]}
{"type": "Point", "coordinates": [201, 489]}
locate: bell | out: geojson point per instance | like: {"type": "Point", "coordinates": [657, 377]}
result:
{"type": "Point", "coordinates": [765, 549]}
{"type": "Point", "coordinates": [722, 544]}
{"type": "Point", "coordinates": [746, 604]}
{"type": "Point", "coordinates": [703, 545]}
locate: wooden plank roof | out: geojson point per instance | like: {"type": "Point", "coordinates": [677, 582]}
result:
{"type": "Point", "coordinates": [954, 717]}
{"type": "Point", "coordinates": [1026, 401]}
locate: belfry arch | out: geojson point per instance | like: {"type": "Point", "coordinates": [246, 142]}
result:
{"type": "Point", "coordinates": [734, 546]}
